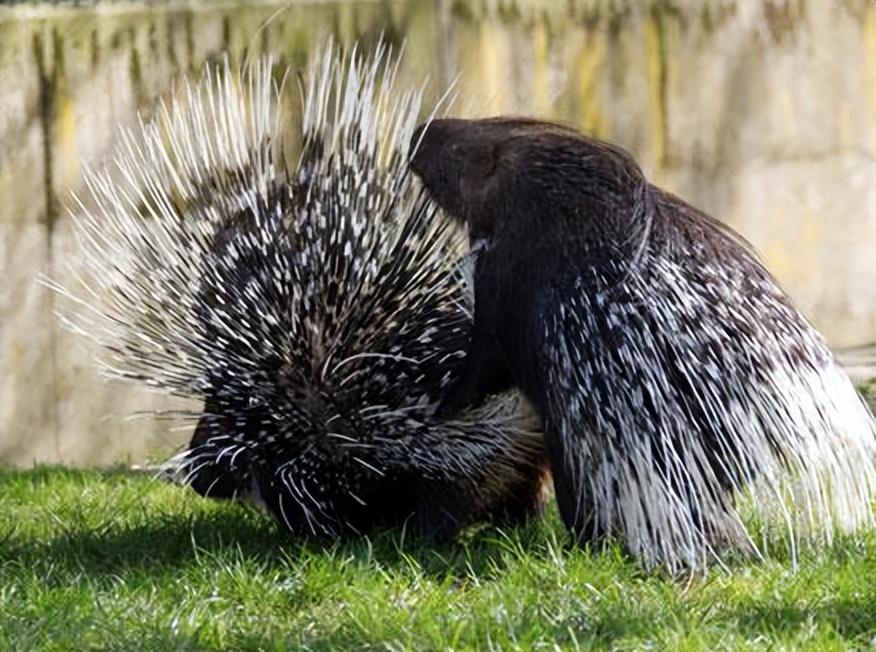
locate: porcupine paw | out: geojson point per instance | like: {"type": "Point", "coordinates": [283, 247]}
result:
{"type": "Point", "coordinates": [587, 531]}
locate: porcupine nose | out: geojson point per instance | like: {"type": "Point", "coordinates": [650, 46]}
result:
{"type": "Point", "coordinates": [428, 145]}
{"type": "Point", "coordinates": [416, 149]}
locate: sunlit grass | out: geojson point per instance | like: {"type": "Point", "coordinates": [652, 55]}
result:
{"type": "Point", "coordinates": [114, 560]}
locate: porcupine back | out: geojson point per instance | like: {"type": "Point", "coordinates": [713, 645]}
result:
{"type": "Point", "coordinates": [314, 307]}
{"type": "Point", "coordinates": [728, 408]}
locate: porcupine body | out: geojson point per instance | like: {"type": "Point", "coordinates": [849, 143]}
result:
{"type": "Point", "coordinates": [315, 308]}
{"type": "Point", "coordinates": [677, 385]}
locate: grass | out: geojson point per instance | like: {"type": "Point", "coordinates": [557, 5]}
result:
{"type": "Point", "coordinates": [114, 560]}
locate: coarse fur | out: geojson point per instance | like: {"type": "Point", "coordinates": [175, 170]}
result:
{"type": "Point", "coordinates": [675, 381]}
{"type": "Point", "coordinates": [314, 307]}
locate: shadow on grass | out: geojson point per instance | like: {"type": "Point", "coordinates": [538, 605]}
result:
{"type": "Point", "coordinates": [121, 529]}
{"type": "Point", "coordinates": [125, 533]}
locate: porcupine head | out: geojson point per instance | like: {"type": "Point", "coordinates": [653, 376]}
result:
{"type": "Point", "coordinates": [521, 186]}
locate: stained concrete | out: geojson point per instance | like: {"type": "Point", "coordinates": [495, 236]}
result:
{"type": "Point", "coordinates": [761, 113]}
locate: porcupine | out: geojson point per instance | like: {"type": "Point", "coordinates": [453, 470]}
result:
{"type": "Point", "coordinates": [315, 308]}
{"type": "Point", "coordinates": [672, 376]}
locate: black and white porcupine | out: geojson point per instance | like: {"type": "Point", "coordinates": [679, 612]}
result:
{"type": "Point", "coordinates": [315, 308]}
{"type": "Point", "coordinates": [678, 387]}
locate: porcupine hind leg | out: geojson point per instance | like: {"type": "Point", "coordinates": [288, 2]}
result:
{"type": "Point", "coordinates": [210, 475]}
{"type": "Point", "coordinates": [443, 508]}
{"type": "Point", "coordinates": [440, 512]}
{"type": "Point", "coordinates": [577, 509]}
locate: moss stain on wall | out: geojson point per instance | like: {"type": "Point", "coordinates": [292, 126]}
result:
{"type": "Point", "coordinates": [655, 48]}
{"type": "Point", "coordinates": [594, 120]}
{"type": "Point", "coordinates": [631, 72]}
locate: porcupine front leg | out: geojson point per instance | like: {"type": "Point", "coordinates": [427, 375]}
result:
{"type": "Point", "coordinates": [486, 370]}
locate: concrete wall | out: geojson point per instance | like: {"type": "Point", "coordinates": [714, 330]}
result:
{"type": "Point", "coordinates": [762, 113]}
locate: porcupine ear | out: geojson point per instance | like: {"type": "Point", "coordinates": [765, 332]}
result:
{"type": "Point", "coordinates": [480, 159]}
{"type": "Point", "coordinates": [479, 185]}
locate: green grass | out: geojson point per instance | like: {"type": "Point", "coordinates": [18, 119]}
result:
{"type": "Point", "coordinates": [113, 560]}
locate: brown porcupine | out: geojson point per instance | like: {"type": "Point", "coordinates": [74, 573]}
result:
{"type": "Point", "coordinates": [672, 376]}
{"type": "Point", "coordinates": [315, 308]}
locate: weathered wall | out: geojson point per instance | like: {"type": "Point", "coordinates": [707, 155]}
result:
{"type": "Point", "coordinates": [763, 113]}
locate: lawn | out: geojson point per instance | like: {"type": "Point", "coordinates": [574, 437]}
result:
{"type": "Point", "coordinates": [116, 560]}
